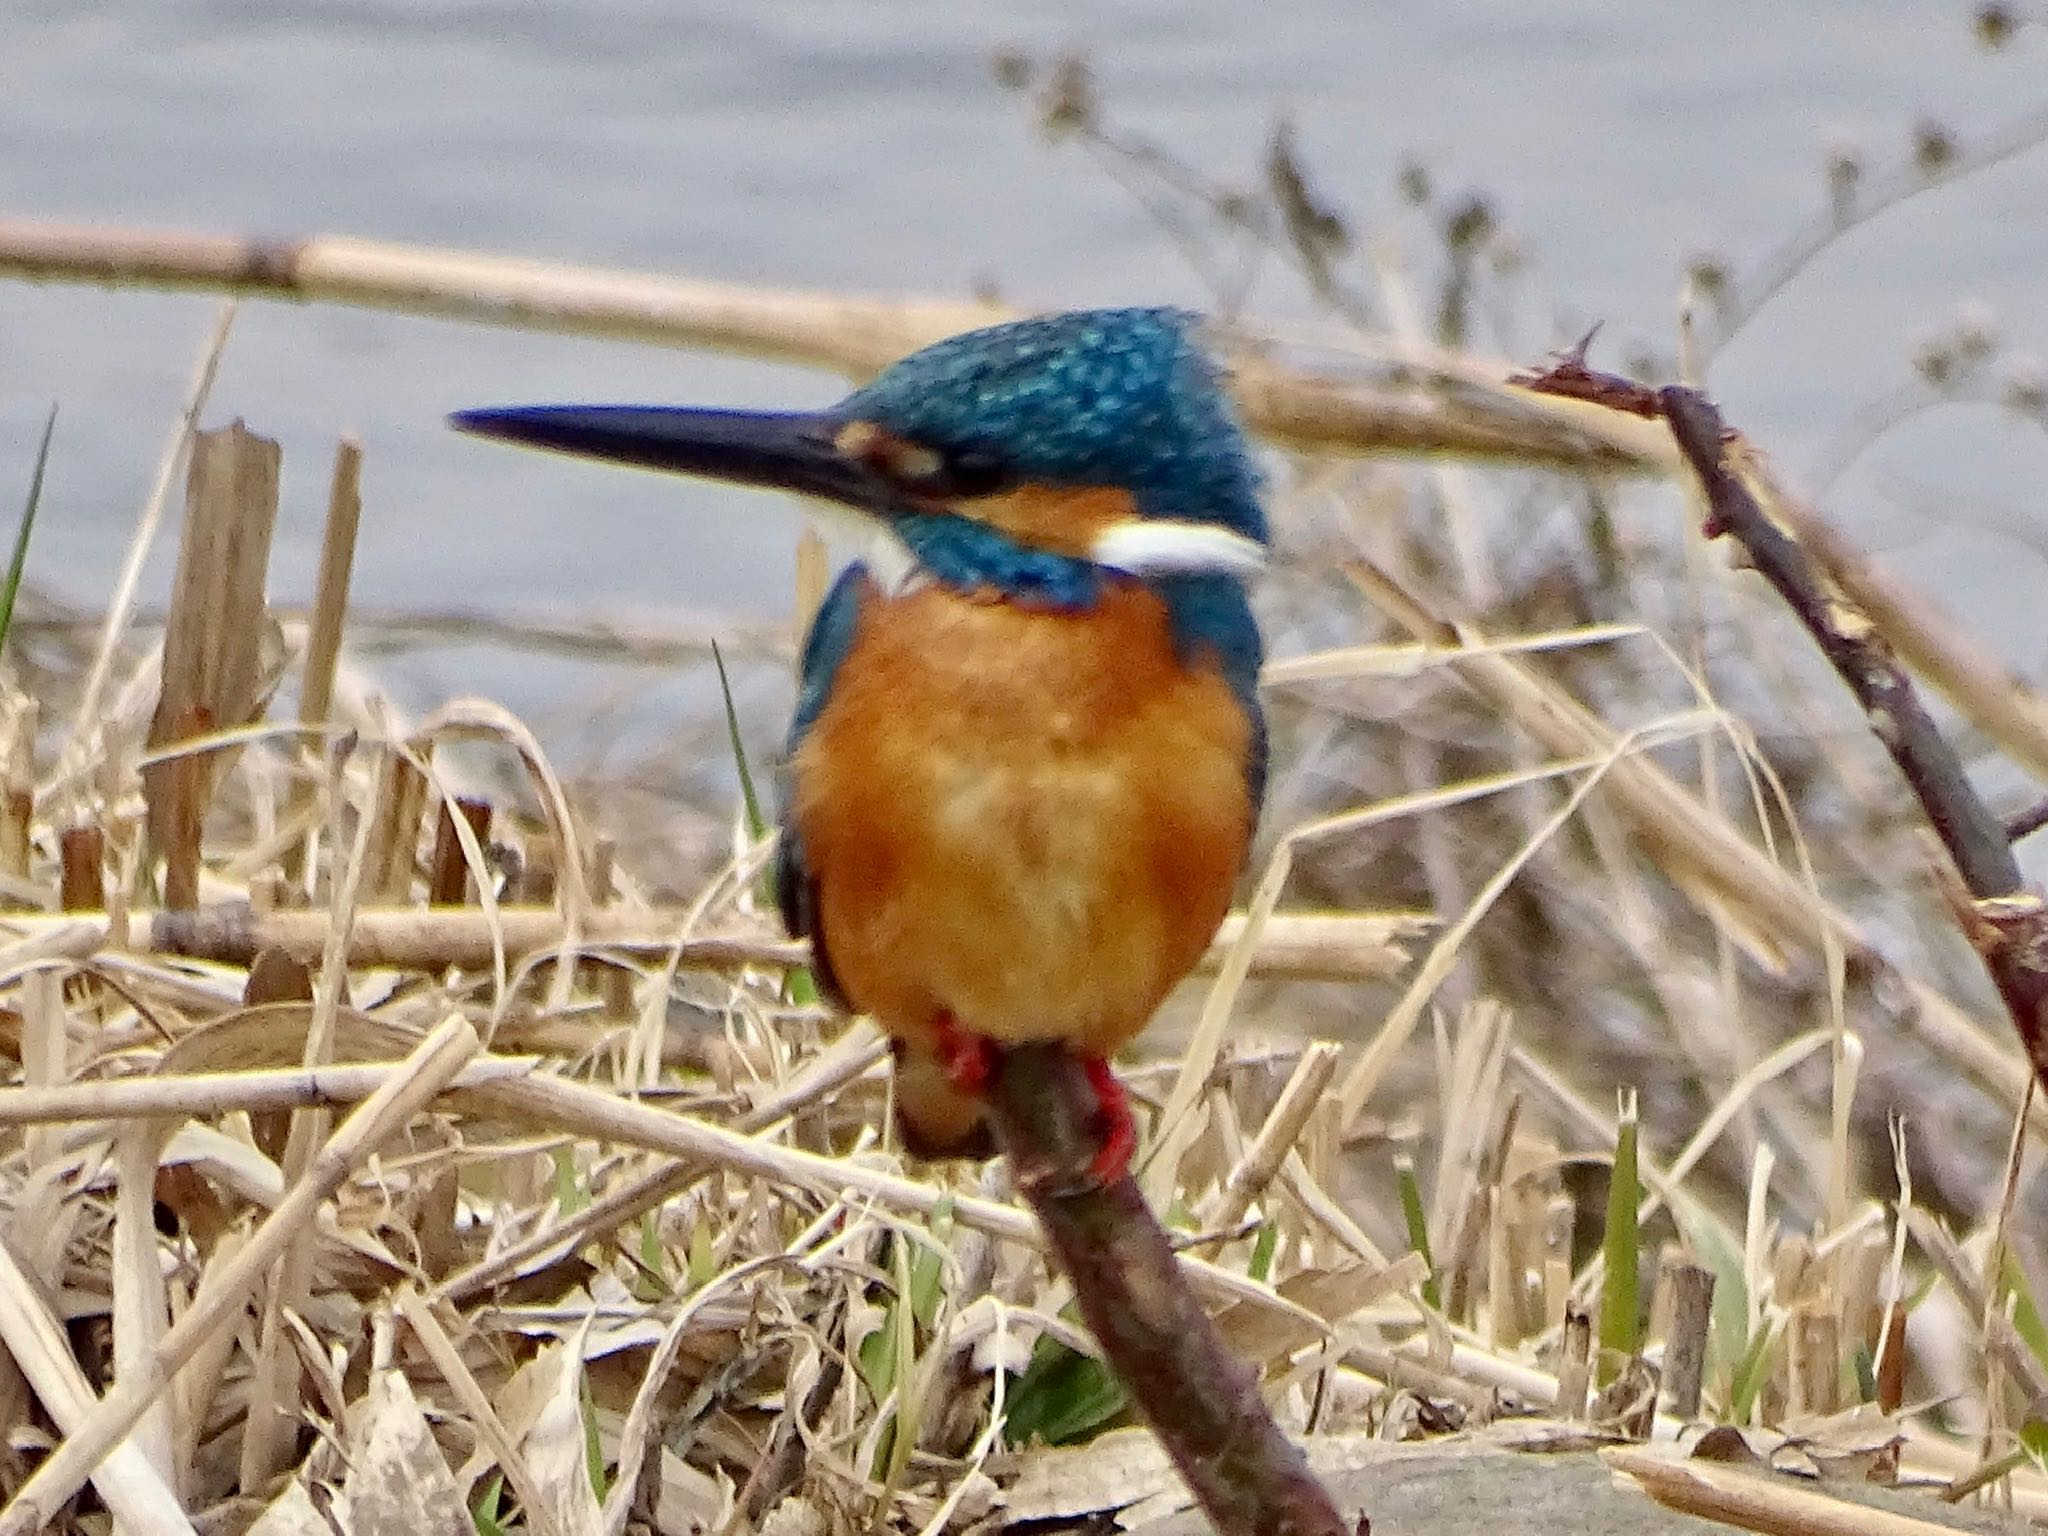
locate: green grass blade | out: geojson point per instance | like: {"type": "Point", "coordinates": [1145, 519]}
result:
{"type": "Point", "coordinates": [19, 562]}
{"type": "Point", "coordinates": [1418, 1226]}
{"type": "Point", "coordinates": [1620, 1303]}
{"type": "Point", "coordinates": [798, 988]}
{"type": "Point", "coordinates": [757, 824]}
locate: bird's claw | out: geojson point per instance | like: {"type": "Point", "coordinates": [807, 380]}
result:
{"type": "Point", "coordinates": [1112, 1160]}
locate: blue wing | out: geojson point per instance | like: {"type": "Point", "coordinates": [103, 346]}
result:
{"type": "Point", "coordinates": [831, 636]}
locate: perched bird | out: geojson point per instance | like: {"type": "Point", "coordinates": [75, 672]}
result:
{"type": "Point", "coordinates": [1021, 782]}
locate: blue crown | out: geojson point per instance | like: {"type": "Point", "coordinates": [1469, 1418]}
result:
{"type": "Point", "coordinates": [1106, 397]}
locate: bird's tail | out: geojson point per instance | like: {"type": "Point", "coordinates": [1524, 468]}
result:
{"type": "Point", "coordinates": [936, 1117]}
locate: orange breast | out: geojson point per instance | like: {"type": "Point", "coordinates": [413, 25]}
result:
{"type": "Point", "coordinates": [1030, 821]}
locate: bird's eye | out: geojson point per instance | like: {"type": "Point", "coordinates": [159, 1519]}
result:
{"type": "Point", "coordinates": [972, 472]}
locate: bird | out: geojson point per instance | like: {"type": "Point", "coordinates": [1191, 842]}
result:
{"type": "Point", "coordinates": [1022, 779]}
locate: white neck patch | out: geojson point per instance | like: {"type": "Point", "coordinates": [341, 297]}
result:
{"type": "Point", "coordinates": [1153, 546]}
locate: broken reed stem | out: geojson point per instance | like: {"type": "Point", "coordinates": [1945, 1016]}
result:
{"type": "Point", "coordinates": [2007, 921]}
{"type": "Point", "coordinates": [1685, 1349]}
{"type": "Point", "coordinates": [393, 849]}
{"type": "Point", "coordinates": [81, 869]}
{"type": "Point", "coordinates": [212, 659]}
{"type": "Point", "coordinates": [855, 336]}
{"type": "Point", "coordinates": [1201, 1400]}
{"type": "Point", "coordinates": [224, 1294]}
{"type": "Point", "coordinates": [448, 875]}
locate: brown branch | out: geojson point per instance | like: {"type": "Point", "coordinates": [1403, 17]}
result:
{"type": "Point", "coordinates": [1201, 1400]}
{"type": "Point", "coordinates": [2008, 921]}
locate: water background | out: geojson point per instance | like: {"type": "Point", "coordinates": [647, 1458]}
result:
{"type": "Point", "coordinates": [861, 144]}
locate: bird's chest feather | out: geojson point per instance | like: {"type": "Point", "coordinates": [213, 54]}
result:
{"type": "Point", "coordinates": [1029, 819]}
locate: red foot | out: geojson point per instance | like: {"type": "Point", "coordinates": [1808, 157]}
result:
{"type": "Point", "coordinates": [1119, 1130]}
{"type": "Point", "coordinates": [970, 1060]}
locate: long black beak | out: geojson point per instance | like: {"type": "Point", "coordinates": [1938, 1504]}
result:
{"type": "Point", "coordinates": [784, 450]}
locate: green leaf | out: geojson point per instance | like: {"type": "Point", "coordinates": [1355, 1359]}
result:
{"type": "Point", "coordinates": [2026, 1316]}
{"type": "Point", "coordinates": [2033, 1438]}
{"type": "Point", "coordinates": [570, 1195]}
{"type": "Point", "coordinates": [593, 1443]}
{"type": "Point", "coordinates": [1620, 1303]}
{"type": "Point", "coordinates": [28, 521]}
{"type": "Point", "coordinates": [1751, 1374]}
{"type": "Point", "coordinates": [799, 987]}
{"type": "Point", "coordinates": [1062, 1397]}
{"type": "Point", "coordinates": [1264, 1246]}
{"type": "Point", "coordinates": [928, 1268]}
{"type": "Point", "coordinates": [703, 1255]}
{"type": "Point", "coordinates": [488, 1510]}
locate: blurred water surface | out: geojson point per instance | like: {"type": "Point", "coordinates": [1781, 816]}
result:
{"type": "Point", "coordinates": [862, 144]}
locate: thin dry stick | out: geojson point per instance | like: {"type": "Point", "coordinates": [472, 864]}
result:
{"type": "Point", "coordinates": [1201, 1400]}
{"type": "Point", "coordinates": [1262, 1159]}
{"type": "Point", "coordinates": [225, 1292]}
{"type": "Point", "coordinates": [859, 1049]}
{"type": "Point", "coordinates": [558, 1103]}
{"type": "Point", "coordinates": [851, 335]}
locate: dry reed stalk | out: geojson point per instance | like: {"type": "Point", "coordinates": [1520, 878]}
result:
{"type": "Point", "coordinates": [1983, 689]}
{"type": "Point", "coordinates": [1313, 946]}
{"type": "Point", "coordinates": [212, 661]}
{"type": "Point", "coordinates": [136, 1492]}
{"type": "Point", "coordinates": [474, 1401]}
{"type": "Point", "coordinates": [2001, 1339]}
{"type": "Point", "coordinates": [851, 335]}
{"type": "Point", "coordinates": [220, 1301]}
{"type": "Point", "coordinates": [1773, 1505]}
{"type": "Point", "coordinates": [212, 1094]}
{"type": "Point", "coordinates": [324, 627]}
{"type": "Point", "coordinates": [17, 784]}
{"type": "Point", "coordinates": [1769, 910]}
{"type": "Point", "coordinates": [858, 1049]}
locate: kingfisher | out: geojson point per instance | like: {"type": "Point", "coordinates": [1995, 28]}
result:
{"type": "Point", "coordinates": [1022, 779]}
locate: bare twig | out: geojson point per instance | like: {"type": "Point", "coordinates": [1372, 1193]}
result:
{"type": "Point", "coordinates": [2006, 920]}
